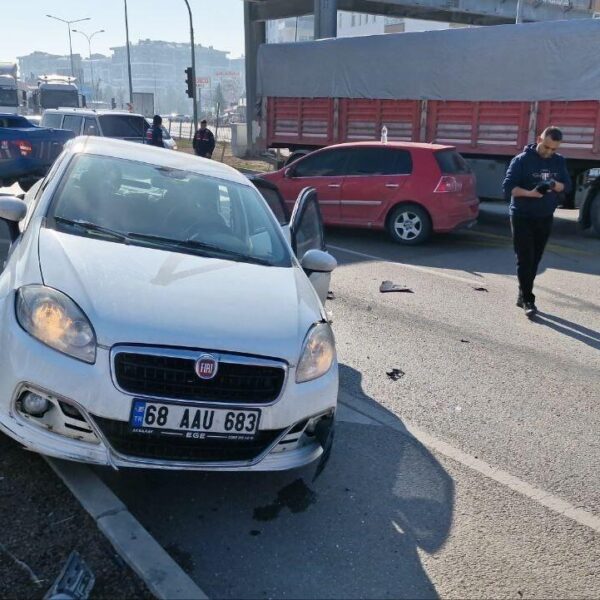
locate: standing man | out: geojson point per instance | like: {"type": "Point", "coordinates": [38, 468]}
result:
{"type": "Point", "coordinates": [534, 181]}
{"type": "Point", "coordinates": [204, 141]}
{"type": "Point", "coordinates": [154, 135]}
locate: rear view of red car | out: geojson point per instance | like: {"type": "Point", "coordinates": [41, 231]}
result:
{"type": "Point", "coordinates": [412, 190]}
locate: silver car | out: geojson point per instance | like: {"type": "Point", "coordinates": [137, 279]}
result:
{"type": "Point", "coordinates": [157, 315]}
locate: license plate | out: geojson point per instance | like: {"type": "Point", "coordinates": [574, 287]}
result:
{"type": "Point", "coordinates": [192, 421]}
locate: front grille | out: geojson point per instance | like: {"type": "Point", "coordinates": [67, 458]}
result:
{"type": "Point", "coordinates": [174, 377]}
{"type": "Point", "coordinates": [163, 447]}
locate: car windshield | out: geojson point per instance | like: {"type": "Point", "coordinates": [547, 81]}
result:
{"type": "Point", "coordinates": [138, 203]}
{"type": "Point", "coordinates": [122, 126]}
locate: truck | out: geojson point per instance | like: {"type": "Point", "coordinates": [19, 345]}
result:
{"type": "Point", "coordinates": [13, 94]}
{"type": "Point", "coordinates": [27, 151]}
{"type": "Point", "coordinates": [55, 91]}
{"type": "Point", "coordinates": [488, 91]}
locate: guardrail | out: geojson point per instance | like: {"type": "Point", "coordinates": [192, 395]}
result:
{"type": "Point", "coordinates": [184, 130]}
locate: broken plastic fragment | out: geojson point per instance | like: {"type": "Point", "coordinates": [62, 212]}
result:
{"type": "Point", "coordinates": [480, 289]}
{"type": "Point", "coordinates": [465, 341]}
{"type": "Point", "coordinates": [390, 286]}
{"type": "Point", "coordinates": [75, 581]}
{"type": "Point", "coordinates": [395, 374]}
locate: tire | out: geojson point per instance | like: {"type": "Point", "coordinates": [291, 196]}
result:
{"type": "Point", "coordinates": [409, 224]}
{"type": "Point", "coordinates": [595, 214]}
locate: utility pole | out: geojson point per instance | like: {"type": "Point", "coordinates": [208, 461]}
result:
{"type": "Point", "coordinates": [519, 18]}
{"type": "Point", "coordinates": [128, 56]}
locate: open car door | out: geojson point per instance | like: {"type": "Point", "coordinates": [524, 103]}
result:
{"type": "Point", "coordinates": [304, 230]}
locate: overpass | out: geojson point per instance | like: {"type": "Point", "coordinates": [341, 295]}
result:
{"type": "Point", "coordinates": [473, 12]}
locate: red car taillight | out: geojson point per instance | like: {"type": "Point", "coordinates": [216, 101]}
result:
{"type": "Point", "coordinates": [448, 184]}
{"type": "Point", "coordinates": [23, 146]}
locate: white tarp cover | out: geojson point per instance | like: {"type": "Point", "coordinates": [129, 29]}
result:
{"type": "Point", "coordinates": [552, 60]}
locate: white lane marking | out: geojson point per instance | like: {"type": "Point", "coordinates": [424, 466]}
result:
{"type": "Point", "coordinates": [550, 501]}
{"type": "Point", "coordinates": [428, 270]}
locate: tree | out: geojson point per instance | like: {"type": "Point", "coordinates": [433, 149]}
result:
{"type": "Point", "coordinates": [219, 99]}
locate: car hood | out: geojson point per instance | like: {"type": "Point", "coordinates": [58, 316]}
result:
{"type": "Point", "coordinates": [138, 295]}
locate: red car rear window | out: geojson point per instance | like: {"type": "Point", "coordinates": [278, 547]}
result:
{"type": "Point", "coordinates": [451, 162]}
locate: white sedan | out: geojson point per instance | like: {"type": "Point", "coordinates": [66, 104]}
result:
{"type": "Point", "coordinates": [153, 314]}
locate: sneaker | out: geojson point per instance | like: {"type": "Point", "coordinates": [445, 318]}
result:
{"type": "Point", "coordinates": [530, 309]}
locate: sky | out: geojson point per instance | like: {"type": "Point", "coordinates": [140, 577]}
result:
{"type": "Point", "coordinates": [25, 26]}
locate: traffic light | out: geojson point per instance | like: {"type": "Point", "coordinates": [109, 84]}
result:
{"type": "Point", "coordinates": [189, 79]}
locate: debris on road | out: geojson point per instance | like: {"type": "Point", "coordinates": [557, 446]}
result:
{"type": "Point", "coordinates": [75, 581]}
{"type": "Point", "coordinates": [390, 286]}
{"type": "Point", "coordinates": [395, 374]}
{"type": "Point", "coordinates": [330, 295]}
{"type": "Point", "coordinates": [465, 341]}
{"type": "Point", "coordinates": [481, 289]}
{"type": "Point", "coordinates": [34, 578]}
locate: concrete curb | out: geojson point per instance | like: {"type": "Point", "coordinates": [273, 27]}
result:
{"type": "Point", "coordinates": [163, 576]}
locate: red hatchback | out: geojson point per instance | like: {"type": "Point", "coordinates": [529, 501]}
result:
{"type": "Point", "coordinates": [409, 189]}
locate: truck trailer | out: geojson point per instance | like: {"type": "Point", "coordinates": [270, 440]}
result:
{"type": "Point", "coordinates": [488, 91]}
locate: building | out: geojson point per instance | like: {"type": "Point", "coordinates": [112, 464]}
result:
{"type": "Point", "coordinates": [41, 63]}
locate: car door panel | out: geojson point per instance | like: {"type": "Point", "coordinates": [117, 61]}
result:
{"type": "Point", "coordinates": [374, 182]}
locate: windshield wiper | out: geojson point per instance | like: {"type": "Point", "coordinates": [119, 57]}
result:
{"type": "Point", "coordinates": [88, 226]}
{"type": "Point", "coordinates": [197, 245]}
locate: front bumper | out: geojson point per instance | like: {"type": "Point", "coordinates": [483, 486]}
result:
{"type": "Point", "coordinates": [30, 365]}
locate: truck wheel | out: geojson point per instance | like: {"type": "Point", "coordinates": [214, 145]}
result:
{"type": "Point", "coordinates": [595, 215]}
{"type": "Point", "coordinates": [409, 224]}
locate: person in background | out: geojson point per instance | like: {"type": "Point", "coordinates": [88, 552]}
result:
{"type": "Point", "coordinates": [154, 136]}
{"type": "Point", "coordinates": [204, 141]}
{"type": "Point", "coordinates": [535, 180]}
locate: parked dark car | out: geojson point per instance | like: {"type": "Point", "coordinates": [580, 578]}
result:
{"type": "Point", "coordinates": [27, 151]}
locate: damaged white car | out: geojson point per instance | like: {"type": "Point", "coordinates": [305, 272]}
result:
{"type": "Point", "coordinates": [153, 313]}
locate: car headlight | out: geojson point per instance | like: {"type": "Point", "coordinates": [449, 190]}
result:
{"type": "Point", "coordinates": [55, 320]}
{"type": "Point", "coordinates": [318, 353]}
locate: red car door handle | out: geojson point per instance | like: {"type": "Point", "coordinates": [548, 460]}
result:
{"type": "Point", "coordinates": [335, 185]}
{"type": "Point", "coordinates": [392, 185]}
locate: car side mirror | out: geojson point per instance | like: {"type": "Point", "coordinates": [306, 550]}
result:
{"type": "Point", "coordinates": [288, 173]}
{"type": "Point", "coordinates": [318, 261]}
{"type": "Point", "coordinates": [12, 211]}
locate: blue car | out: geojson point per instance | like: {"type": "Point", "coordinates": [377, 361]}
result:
{"type": "Point", "coordinates": [27, 151]}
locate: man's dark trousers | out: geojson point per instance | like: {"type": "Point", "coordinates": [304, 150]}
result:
{"type": "Point", "coordinates": [529, 238]}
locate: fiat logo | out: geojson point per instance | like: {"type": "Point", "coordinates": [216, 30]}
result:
{"type": "Point", "coordinates": [207, 366]}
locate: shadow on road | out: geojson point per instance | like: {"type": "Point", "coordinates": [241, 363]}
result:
{"type": "Point", "coordinates": [570, 329]}
{"type": "Point", "coordinates": [354, 533]}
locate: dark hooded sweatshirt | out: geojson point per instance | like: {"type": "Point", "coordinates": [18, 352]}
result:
{"type": "Point", "coordinates": [527, 170]}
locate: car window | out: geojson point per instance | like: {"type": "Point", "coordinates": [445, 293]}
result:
{"type": "Point", "coordinates": [73, 123]}
{"type": "Point", "coordinates": [90, 127]}
{"type": "Point", "coordinates": [51, 120]}
{"type": "Point", "coordinates": [451, 162]}
{"type": "Point", "coordinates": [14, 122]}
{"type": "Point", "coordinates": [309, 230]}
{"type": "Point", "coordinates": [321, 164]}
{"type": "Point", "coordinates": [141, 199]}
{"type": "Point", "coordinates": [122, 126]}
{"type": "Point", "coordinates": [379, 161]}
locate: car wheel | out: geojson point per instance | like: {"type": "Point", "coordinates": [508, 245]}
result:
{"type": "Point", "coordinates": [595, 214]}
{"type": "Point", "coordinates": [409, 225]}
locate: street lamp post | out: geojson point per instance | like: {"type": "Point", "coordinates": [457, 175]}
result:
{"type": "Point", "coordinates": [519, 18]}
{"type": "Point", "coordinates": [89, 40]}
{"type": "Point", "coordinates": [128, 56]}
{"type": "Point", "coordinates": [69, 23]}
{"type": "Point", "coordinates": [194, 87]}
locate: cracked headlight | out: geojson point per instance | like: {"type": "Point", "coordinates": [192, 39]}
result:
{"type": "Point", "coordinates": [318, 353]}
{"type": "Point", "coordinates": [55, 320]}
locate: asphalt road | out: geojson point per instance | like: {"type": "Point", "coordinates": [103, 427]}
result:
{"type": "Point", "coordinates": [475, 474]}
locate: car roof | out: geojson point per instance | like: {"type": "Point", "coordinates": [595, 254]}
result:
{"type": "Point", "coordinates": [160, 157]}
{"type": "Point", "coordinates": [92, 111]}
{"type": "Point", "coordinates": [404, 145]}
